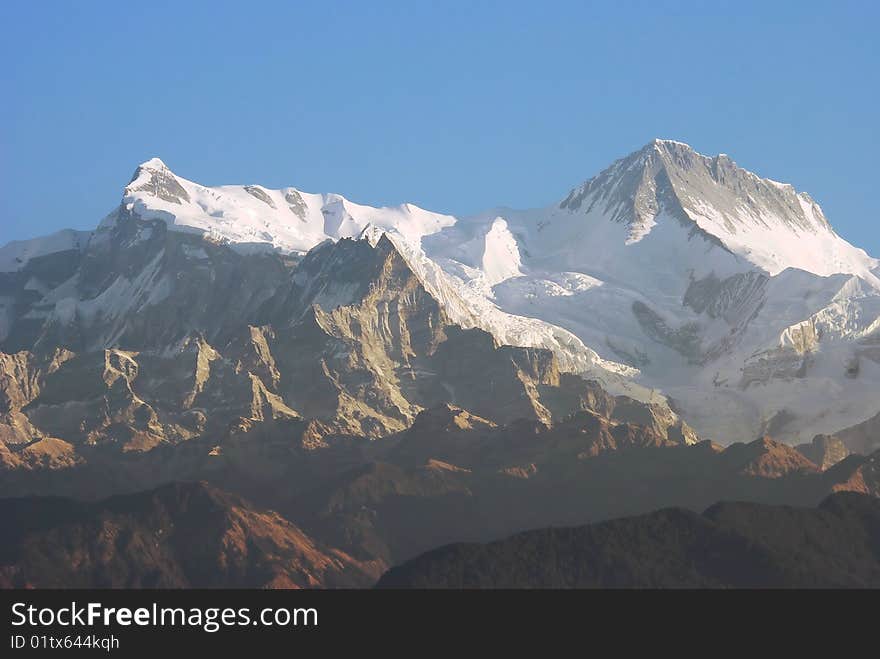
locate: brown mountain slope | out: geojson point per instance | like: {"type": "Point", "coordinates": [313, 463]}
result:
{"type": "Point", "coordinates": [184, 535]}
{"type": "Point", "coordinates": [454, 477]}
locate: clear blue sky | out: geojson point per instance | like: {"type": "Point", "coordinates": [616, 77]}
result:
{"type": "Point", "coordinates": [454, 106]}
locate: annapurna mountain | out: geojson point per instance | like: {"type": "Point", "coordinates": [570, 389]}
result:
{"type": "Point", "coordinates": [670, 277]}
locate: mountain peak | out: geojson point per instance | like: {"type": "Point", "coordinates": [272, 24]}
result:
{"type": "Point", "coordinates": [147, 167]}
{"type": "Point", "coordinates": [153, 163]}
{"type": "Point", "coordinates": [667, 143]}
{"type": "Point", "coordinates": [764, 222]}
{"type": "Point", "coordinates": [155, 179]}
{"type": "Point", "coordinates": [664, 145]}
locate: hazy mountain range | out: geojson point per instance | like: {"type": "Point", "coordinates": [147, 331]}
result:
{"type": "Point", "coordinates": [388, 380]}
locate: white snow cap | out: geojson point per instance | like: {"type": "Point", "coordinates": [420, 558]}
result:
{"type": "Point", "coordinates": [153, 163]}
{"type": "Point", "coordinates": [286, 219]}
{"type": "Point", "coordinates": [668, 270]}
{"type": "Point", "coordinates": [761, 221]}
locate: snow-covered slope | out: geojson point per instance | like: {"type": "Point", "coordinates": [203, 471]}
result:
{"type": "Point", "coordinates": [285, 219]}
{"type": "Point", "coordinates": [668, 273]}
{"type": "Point", "coordinates": [769, 224]}
{"type": "Point", "coordinates": [729, 292]}
{"type": "Point", "coordinates": [15, 255]}
{"type": "Point", "coordinates": [290, 220]}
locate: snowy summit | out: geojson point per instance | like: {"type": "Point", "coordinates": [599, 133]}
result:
{"type": "Point", "coordinates": [669, 273]}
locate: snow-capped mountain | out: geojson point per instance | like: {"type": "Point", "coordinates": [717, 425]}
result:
{"type": "Point", "coordinates": [286, 219]}
{"type": "Point", "coordinates": [670, 273]}
{"type": "Point", "coordinates": [253, 218]}
{"type": "Point", "coordinates": [730, 293]}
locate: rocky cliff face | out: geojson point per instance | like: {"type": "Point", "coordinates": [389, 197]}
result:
{"type": "Point", "coordinates": [825, 451]}
{"type": "Point", "coordinates": [167, 337]}
{"type": "Point", "coordinates": [137, 286]}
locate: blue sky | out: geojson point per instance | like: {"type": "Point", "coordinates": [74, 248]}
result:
{"type": "Point", "coordinates": [454, 106]}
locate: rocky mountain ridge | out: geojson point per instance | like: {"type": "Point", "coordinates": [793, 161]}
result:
{"type": "Point", "coordinates": [391, 380]}
{"type": "Point", "coordinates": [669, 274]}
{"type": "Point", "coordinates": [185, 535]}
